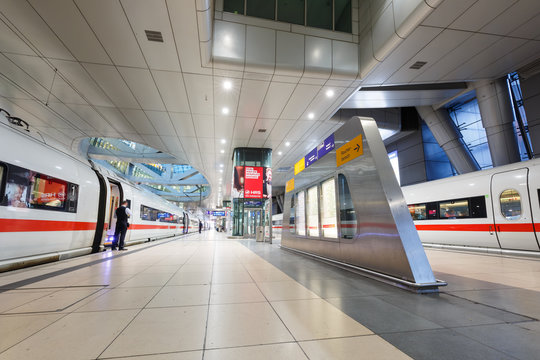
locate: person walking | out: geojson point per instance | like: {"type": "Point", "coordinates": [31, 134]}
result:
{"type": "Point", "coordinates": [200, 226]}
{"type": "Point", "coordinates": [122, 214]}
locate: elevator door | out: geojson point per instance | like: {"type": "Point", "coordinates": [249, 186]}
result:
{"type": "Point", "coordinates": [252, 219]}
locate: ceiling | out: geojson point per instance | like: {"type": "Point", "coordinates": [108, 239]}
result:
{"type": "Point", "coordinates": [75, 69]}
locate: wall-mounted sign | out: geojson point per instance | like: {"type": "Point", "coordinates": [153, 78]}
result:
{"type": "Point", "coordinates": [253, 187]}
{"type": "Point", "coordinates": [311, 157]}
{"type": "Point", "coordinates": [289, 186]}
{"type": "Point", "coordinates": [299, 166]}
{"type": "Point", "coordinates": [349, 151]}
{"type": "Point", "coordinates": [218, 213]}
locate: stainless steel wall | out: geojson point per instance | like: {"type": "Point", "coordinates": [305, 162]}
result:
{"type": "Point", "coordinates": [386, 240]}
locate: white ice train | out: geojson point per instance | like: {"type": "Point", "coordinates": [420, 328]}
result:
{"type": "Point", "coordinates": [54, 205]}
{"type": "Point", "coordinates": [494, 210]}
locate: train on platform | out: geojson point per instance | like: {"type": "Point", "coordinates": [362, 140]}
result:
{"type": "Point", "coordinates": [56, 206]}
{"type": "Point", "coordinates": [493, 210]}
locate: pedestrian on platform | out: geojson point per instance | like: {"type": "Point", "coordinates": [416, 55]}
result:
{"type": "Point", "coordinates": [122, 215]}
{"type": "Point", "coordinates": [200, 226]}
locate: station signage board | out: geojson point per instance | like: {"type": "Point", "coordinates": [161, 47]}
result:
{"type": "Point", "coordinates": [311, 157]}
{"type": "Point", "coordinates": [253, 183]}
{"type": "Point", "coordinates": [349, 151]}
{"type": "Point", "coordinates": [218, 213]}
{"type": "Point", "coordinates": [299, 166]}
{"type": "Point", "coordinates": [326, 146]}
{"type": "Point", "coordinates": [289, 186]}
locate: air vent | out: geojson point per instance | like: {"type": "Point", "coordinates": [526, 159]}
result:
{"type": "Point", "coordinates": [417, 65]}
{"type": "Point", "coordinates": [262, 130]}
{"type": "Point", "coordinates": [154, 35]}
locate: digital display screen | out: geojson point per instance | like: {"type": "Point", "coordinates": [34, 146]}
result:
{"type": "Point", "coordinates": [253, 182]}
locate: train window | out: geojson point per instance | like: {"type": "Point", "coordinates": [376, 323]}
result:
{"type": "Point", "coordinates": [510, 201]}
{"type": "Point", "coordinates": [432, 209]}
{"type": "Point", "coordinates": [454, 209]}
{"type": "Point", "coordinates": [328, 209]}
{"type": "Point", "coordinates": [347, 215]}
{"type": "Point", "coordinates": [478, 207]}
{"type": "Point", "coordinates": [291, 216]}
{"type": "Point", "coordinates": [47, 191]}
{"type": "Point", "coordinates": [313, 211]}
{"type": "Point", "coordinates": [418, 211]}
{"type": "Point", "coordinates": [300, 213]}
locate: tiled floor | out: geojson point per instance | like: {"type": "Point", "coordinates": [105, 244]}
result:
{"type": "Point", "coordinates": [207, 297]}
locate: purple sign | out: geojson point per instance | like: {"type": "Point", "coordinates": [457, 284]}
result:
{"type": "Point", "coordinates": [325, 147]}
{"type": "Point", "coordinates": [311, 157]}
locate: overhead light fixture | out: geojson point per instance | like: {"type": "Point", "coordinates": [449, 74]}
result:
{"type": "Point", "coordinates": [279, 153]}
{"type": "Point", "coordinates": [287, 144]}
{"type": "Point", "coordinates": [222, 151]}
{"type": "Point", "coordinates": [221, 170]}
{"type": "Point", "coordinates": [225, 110]}
{"type": "Point", "coordinates": [223, 141]}
{"type": "Point", "coordinates": [220, 165]}
{"type": "Point", "coordinates": [330, 93]}
{"type": "Point", "coordinates": [227, 85]}
{"type": "Point", "coordinates": [311, 116]}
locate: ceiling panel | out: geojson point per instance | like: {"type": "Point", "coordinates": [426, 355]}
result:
{"type": "Point", "coordinates": [112, 83]}
{"type": "Point", "coordinates": [504, 23]}
{"type": "Point", "coordinates": [318, 57]}
{"type": "Point", "coordinates": [281, 129]}
{"type": "Point", "coordinates": [161, 122]}
{"type": "Point", "coordinates": [262, 124]}
{"type": "Point", "coordinates": [469, 48]}
{"type": "Point", "coordinates": [206, 145]}
{"type": "Point", "coordinates": [260, 57]}
{"type": "Point", "coordinates": [226, 100]}
{"type": "Point", "coordinates": [65, 93]}
{"type": "Point", "coordinates": [92, 117]}
{"type": "Point", "coordinates": [433, 52]}
{"type": "Point", "coordinates": [447, 12]}
{"type": "Point", "coordinates": [172, 90]}
{"type": "Point", "coordinates": [243, 127]}
{"type": "Point", "coordinates": [153, 15]}
{"type": "Point", "coordinates": [66, 21]}
{"type": "Point", "coordinates": [111, 26]}
{"type": "Point", "coordinates": [142, 85]}
{"type": "Point", "coordinates": [299, 129]}
{"type": "Point", "coordinates": [252, 97]}
{"type": "Point", "coordinates": [299, 101]}
{"type": "Point", "coordinates": [289, 54]}
{"type": "Point", "coordinates": [30, 111]}
{"type": "Point", "coordinates": [79, 78]}
{"type": "Point", "coordinates": [72, 117]}
{"type": "Point", "coordinates": [204, 125]}
{"type": "Point", "coordinates": [276, 98]}
{"type": "Point", "coordinates": [19, 77]}
{"type": "Point", "coordinates": [34, 67]}
{"type": "Point", "coordinates": [32, 26]}
{"type": "Point", "coordinates": [200, 93]}
{"type": "Point", "coordinates": [173, 145]}
{"type": "Point", "coordinates": [9, 90]}
{"type": "Point", "coordinates": [155, 142]}
{"type": "Point", "coordinates": [224, 127]}
{"type": "Point", "coordinates": [116, 119]}
{"type": "Point", "coordinates": [189, 144]}
{"type": "Point", "coordinates": [183, 123]}
{"type": "Point", "coordinates": [11, 43]}
{"type": "Point", "coordinates": [139, 120]}
{"type": "Point", "coordinates": [480, 14]}
{"type": "Point", "coordinates": [529, 29]}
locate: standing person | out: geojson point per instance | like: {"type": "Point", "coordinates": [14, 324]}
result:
{"type": "Point", "coordinates": [200, 226]}
{"type": "Point", "coordinates": [122, 214]}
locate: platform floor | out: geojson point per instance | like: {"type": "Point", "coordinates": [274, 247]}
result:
{"type": "Point", "coordinates": [207, 297]}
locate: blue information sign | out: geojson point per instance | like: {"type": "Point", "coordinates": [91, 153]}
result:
{"type": "Point", "coordinates": [218, 213]}
{"type": "Point", "coordinates": [311, 157]}
{"type": "Point", "coordinates": [326, 146]}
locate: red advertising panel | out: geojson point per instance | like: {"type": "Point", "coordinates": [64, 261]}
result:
{"type": "Point", "coordinates": [253, 186]}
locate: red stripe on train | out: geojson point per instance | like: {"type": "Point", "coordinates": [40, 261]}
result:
{"type": "Point", "coordinates": [19, 225]}
{"type": "Point", "coordinates": [479, 227]}
{"type": "Point", "coordinates": [150, 227]}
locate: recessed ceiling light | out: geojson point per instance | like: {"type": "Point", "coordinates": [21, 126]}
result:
{"type": "Point", "coordinates": [223, 141]}
{"type": "Point", "coordinates": [222, 151]}
{"type": "Point", "coordinates": [287, 143]}
{"type": "Point", "coordinates": [227, 85]}
{"type": "Point", "coordinates": [225, 110]}
{"type": "Point", "coordinates": [311, 116]}
{"type": "Point", "coordinates": [220, 165]}
{"type": "Point", "coordinates": [279, 153]}
{"type": "Point", "coordinates": [221, 170]}
{"type": "Point", "coordinates": [330, 93]}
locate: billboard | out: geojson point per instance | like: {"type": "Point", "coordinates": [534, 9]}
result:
{"type": "Point", "coordinates": [238, 182]}
{"type": "Point", "coordinates": [253, 182]}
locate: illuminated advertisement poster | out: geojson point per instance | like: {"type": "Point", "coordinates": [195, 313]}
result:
{"type": "Point", "coordinates": [267, 183]}
{"type": "Point", "coordinates": [238, 182]}
{"type": "Point", "coordinates": [253, 186]}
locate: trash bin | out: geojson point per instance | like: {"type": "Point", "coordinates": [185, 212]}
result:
{"type": "Point", "coordinates": [260, 233]}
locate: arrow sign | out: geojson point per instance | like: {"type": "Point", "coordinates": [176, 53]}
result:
{"type": "Point", "coordinates": [349, 151]}
{"type": "Point", "coordinates": [357, 148]}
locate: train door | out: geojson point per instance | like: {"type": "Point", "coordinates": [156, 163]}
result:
{"type": "Point", "coordinates": [115, 198]}
{"type": "Point", "coordinates": [512, 210]}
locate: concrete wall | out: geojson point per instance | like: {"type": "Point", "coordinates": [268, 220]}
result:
{"type": "Point", "coordinates": [412, 167]}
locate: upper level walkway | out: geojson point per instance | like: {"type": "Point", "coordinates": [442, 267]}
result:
{"type": "Point", "coordinates": [207, 297]}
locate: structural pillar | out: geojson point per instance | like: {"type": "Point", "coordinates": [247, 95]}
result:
{"type": "Point", "coordinates": [498, 121]}
{"type": "Point", "coordinates": [449, 138]}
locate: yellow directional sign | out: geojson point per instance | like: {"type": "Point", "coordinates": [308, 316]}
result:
{"type": "Point", "coordinates": [289, 186]}
{"type": "Point", "coordinates": [299, 166]}
{"type": "Point", "coordinates": [349, 151]}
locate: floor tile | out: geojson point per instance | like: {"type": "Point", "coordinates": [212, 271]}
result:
{"type": "Point", "coordinates": [317, 319]}
{"type": "Point", "coordinates": [75, 336]}
{"type": "Point", "coordinates": [13, 299]}
{"type": "Point", "coordinates": [285, 290]}
{"type": "Point", "coordinates": [231, 277]}
{"type": "Point", "coordinates": [288, 351]}
{"type": "Point", "coordinates": [190, 278]}
{"type": "Point", "coordinates": [59, 301]}
{"type": "Point", "coordinates": [370, 347]}
{"type": "Point", "coordinates": [146, 280]}
{"type": "Point", "coordinates": [268, 275]}
{"type": "Point", "coordinates": [188, 355]}
{"type": "Point", "coordinates": [121, 298]}
{"type": "Point", "coordinates": [235, 293]}
{"type": "Point", "coordinates": [184, 295]}
{"type": "Point", "coordinates": [161, 330]}
{"type": "Point", "coordinates": [14, 328]}
{"type": "Point", "coordinates": [244, 324]}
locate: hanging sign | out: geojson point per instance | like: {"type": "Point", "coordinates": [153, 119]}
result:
{"type": "Point", "coordinates": [349, 151]}
{"type": "Point", "coordinates": [299, 166]}
{"type": "Point", "coordinates": [289, 186]}
{"type": "Point", "coordinates": [311, 157]}
{"type": "Point", "coordinates": [326, 146]}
